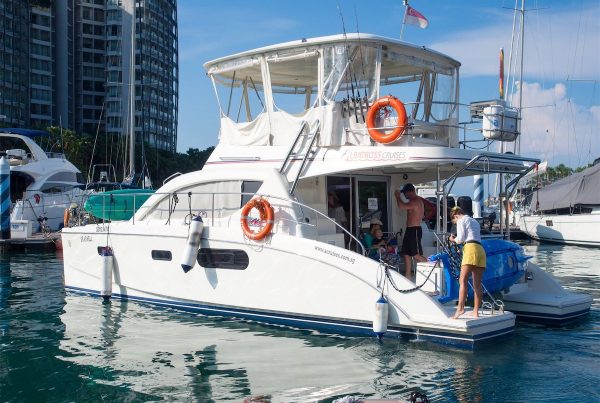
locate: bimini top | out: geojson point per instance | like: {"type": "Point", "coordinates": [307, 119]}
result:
{"type": "Point", "coordinates": [25, 132]}
{"type": "Point", "coordinates": [399, 59]}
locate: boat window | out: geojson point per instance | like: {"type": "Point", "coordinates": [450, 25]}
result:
{"type": "Point", "coordinates": [240, 92]}
{"type": "Point", "coordinates": [294, 80]}
{"type": "Point", "coordinates": [427, 89]}
{"type": "Point", "coordinates": [349, 72]}
{"type": "Point", "coordinates": [19, 182]}
{"type": "Point", "coordinates": [53, 187]}
{"type": "Point", "coordinates": [223, 259]}
{"type": "Point", "coordinates": [210, 199]}
{"type": "Point", "coordinates": [63, 177]}
{"type": "Point", "coordinates": [249, 189]}
{"type": "Point", "coordinates": [162, 255]}
{"type": "Point", "coordinates": [12, 143]}
{"type": "Point", "coordinates": [443, 105]}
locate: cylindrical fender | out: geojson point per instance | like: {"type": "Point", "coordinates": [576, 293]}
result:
{"type": "Point", "coordinates": [190, 254]}
{"type": "Point", "coordinates": [380, 319]}
{"type": "Point", "coordinates": [107, 272]}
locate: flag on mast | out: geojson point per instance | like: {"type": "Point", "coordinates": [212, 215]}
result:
{"type": "Point", "coordinates": [414, 17]}
{"type": "Point", "coordinates": [501, 81]}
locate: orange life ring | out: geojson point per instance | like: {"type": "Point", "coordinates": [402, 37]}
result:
{"type": "Point", "coordinates": [266, 216]}
{"type": "Point", "coordinates": [384, 102]}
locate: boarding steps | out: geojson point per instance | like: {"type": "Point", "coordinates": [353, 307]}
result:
{"type": "Point", "coordinates": [302, 148]}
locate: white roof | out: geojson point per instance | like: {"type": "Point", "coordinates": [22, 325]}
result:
{"type": "Point", "coordinates": [398, 59]}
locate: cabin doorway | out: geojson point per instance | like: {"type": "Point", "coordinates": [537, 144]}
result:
{"type": "Point", "coordinates": [340, 203]}
{"type": "Point", "coordinates": [372, 197]}
{"type": "Point", "coordinates": [357, 200]}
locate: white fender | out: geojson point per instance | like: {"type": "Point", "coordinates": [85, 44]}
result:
{"type": "Point", "coordinates": [193, 244]}
{"type": "Point", "coordinates": [380, 320]}
{"type": "Point", "coordinates": [107, 272]}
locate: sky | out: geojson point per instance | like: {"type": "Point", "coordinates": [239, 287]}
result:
{"type": "Point", "coordinates": [561, 67]}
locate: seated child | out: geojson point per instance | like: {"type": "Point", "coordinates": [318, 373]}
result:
{"type": "Point", "coordinates": [379, 245]}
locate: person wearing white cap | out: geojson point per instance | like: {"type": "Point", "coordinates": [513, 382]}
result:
{"type": "Point", "coordinates": [411, 243]}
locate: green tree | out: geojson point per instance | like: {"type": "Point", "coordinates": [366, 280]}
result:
{"type": "Point", "coordinates": [84, 150]}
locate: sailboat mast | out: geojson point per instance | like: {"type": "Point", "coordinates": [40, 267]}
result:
{"type": "Point", "coordinates": [518, 140]}
{"type": "Point", "coordinates": [132, 97]}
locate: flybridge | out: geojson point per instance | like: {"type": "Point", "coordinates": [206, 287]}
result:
{"type": "Point", "coordinates": [266, 95]}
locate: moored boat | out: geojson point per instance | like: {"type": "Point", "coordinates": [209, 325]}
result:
{"type": "Point", "coordinates": [566, 211]}
{"type": "Point", "coordinates": [43, 184]}
{"type": "Point", "coordinates": [249, 236]}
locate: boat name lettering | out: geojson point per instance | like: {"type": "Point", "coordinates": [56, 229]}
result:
{"type": "Point", "coordinates": [86, 238]}
{"type": "Point", "coordinates": [335, 254]}
{"type": "Point", "coordinates": [101, 228]}
{"type": "Point", "coordinates": [374, 155]}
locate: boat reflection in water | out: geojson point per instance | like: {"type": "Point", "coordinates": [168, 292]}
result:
{"type": "Point", "coordinates": [178, 355]}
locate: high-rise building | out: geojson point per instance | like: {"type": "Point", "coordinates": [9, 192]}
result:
{"type": "Point", "coordinates": [80, 63]}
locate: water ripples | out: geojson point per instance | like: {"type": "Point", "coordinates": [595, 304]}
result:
{"type": "Point", "coordinates": [56, 347]}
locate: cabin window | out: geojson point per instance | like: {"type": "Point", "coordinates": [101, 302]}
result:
{"type": "Point", "coordinates": [235, 259]}
{"type": "Point", "coordinates": [162, 255]}
{"type": "Point", "coordinates": [51, 187]}
{"type": "Point", "coordinates": [64, 176]}
{"type": "Point", "coordinates": [210, 200]}
{"type": "Point", "coordinates": [249, 189]}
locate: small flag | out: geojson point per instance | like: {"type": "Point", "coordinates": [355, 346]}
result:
{"type": "Point", "coordinates": [414, 17]}
{"type": "Point", "coordinates": [501, 82]}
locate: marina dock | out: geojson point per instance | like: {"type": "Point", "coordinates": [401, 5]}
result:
{"type": "Point", "coordinates": [39, 241]}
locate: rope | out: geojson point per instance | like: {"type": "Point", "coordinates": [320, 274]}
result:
{"type": "Point", "coordinates": [389, 278]}
{"type": "Point", "coordinates": [173, 200]}
{"type": "Point", "coordinates": [455, 257]}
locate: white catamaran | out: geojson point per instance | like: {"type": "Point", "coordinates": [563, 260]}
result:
{"type": "Point", "coordinates": [248, 236]}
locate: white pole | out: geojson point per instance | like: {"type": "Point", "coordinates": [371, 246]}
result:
{"type": "Point", "coordinates": [404, 18]}
{"type": "Point", "coordinates": [477, 196]}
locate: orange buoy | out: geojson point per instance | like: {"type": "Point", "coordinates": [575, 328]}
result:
{"type": "Point", "coordinates": [384, 102]}
{"type": "Point", "coordinates": [266, 216]}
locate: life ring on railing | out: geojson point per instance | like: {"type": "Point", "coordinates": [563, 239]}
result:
{"type": "Point", "coordinates": [266, 216]}
{"type": "Point", "coordinates": [377, 134]}
{"type": "Point", "coordinates": [66, 218]}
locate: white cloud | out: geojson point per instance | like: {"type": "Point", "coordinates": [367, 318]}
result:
{"type": "Point", "coordinates": [558, 45]}
{"type": "Point", "coordinates": [558, 130]}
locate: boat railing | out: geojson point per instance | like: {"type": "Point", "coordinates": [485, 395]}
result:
{"type": "Point", "coordinates": [491, 163]}
{"type": "Point", "coordinates": [217, 209]}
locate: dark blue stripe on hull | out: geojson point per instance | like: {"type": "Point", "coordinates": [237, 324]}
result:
{"type": "Point", "coordinates": [549, 318]}
{"type": "Point", "coordinates": [317, 323]}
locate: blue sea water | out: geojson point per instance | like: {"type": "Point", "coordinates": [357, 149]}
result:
{"type": "Point", "coordinates": [57, 346]}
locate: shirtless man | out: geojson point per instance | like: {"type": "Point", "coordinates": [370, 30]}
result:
{"type": "Point", "coordinates": [411, 243]}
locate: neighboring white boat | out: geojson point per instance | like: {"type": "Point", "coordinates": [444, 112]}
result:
{"type": "Point", "coordinates": [43, 184]}
{"type": "Point", "coordinates": [299, 120]}
{"type": "Point", "coordinates": [566, 211]}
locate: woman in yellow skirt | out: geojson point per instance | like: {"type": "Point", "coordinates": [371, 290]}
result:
{"type": "Point", "coordinates": [473, 262]}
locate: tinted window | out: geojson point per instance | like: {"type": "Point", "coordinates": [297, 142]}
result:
{"type": "Point", "coordinates": [162, 255]}
{"type": "Point", "coordinates": [223, 258]}
{"type": "Point", "coordinates": [249, 187]}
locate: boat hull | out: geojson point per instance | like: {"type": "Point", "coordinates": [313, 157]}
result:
{"type": "Point", "coordinates": [576, 229]}
{"type": "Point", "coordinates": [288, 281]}
{"type": "Point", "coordinates": [539, 298]}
